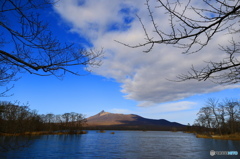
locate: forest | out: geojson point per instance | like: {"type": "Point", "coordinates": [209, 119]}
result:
{"type": "Point", "coordinates": [16, 119]}
{"type": "Point", "coordinates": [217, 117]}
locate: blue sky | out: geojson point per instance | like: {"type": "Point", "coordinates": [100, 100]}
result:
{"type": "Point", "coordinates": [128, 81]}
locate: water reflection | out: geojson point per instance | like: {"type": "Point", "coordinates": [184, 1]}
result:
{"type": "Point", "coordinates": [124, 144]}
{"type": "Point", "coordinates": [10, 143]}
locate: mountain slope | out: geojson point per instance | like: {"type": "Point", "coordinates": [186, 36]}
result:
{"type": "Point", "coordinates": [106, 119]}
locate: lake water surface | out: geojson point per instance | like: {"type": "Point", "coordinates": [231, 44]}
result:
{"type": "Point", "coordinates": [125, 144]}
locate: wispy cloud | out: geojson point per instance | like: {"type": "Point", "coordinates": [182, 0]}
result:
{"type": "Point", "coordinates": [143, 76]}
{"type": "Point", "coordinates": [170, 107]}
{"type": "Point", "coordinates": [174, 111]}
{"type": "Point", "coordinates": [93, 18]}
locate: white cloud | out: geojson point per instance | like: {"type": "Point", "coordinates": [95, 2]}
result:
{"type": "Point", "coordinates": [92, 18]}
{"type": "Point", "coordinates": [170, 107]}
{"type": "Point", "coordinates": [143, 76]}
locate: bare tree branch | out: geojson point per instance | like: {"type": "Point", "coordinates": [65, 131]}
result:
{"type": "Point", "coordinates": [193, 34]}
{"type": "Point", "coordinates": [27, 44]}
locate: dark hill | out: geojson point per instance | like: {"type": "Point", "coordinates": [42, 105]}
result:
{"type": "Point", "coordinates": [106, 120]}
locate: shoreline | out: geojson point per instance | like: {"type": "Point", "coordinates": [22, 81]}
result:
{"type": "Point", "coordinates": [197, 135]}
{"type": "Point", "coordinates": [218, 137]}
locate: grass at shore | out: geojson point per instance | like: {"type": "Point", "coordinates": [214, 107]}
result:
{"type": "Point", "coordinates": [43, 133]}
{"type": "Point", "coordinates": [221, 137]}
{"type": "Point", "coordinates": [215, 136]}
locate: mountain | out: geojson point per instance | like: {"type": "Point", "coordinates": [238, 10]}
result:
{"type": "Point", "coordinates": [106, 120]}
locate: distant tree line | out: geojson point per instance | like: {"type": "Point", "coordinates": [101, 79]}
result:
{"type": "Point", "coordinates": [136, 128]}
{"type": "Point", "coordinates": [219, 117]}
{"type": "Point", "coordinates": [16, 119]}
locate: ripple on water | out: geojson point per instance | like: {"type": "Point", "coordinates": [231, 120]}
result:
{"type": "Point", "coordinates": [124, 144]}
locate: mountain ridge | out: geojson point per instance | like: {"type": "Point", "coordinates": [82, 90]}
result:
{"type": "Point", "coordinates": [128, 121]}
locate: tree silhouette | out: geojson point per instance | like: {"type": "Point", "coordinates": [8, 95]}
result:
{"type": "Point", "coordinates": [223, 117]}
{"type": "Point", "coordinates": [27, 43]}
{"type": "Point", "coordinates": [18, 124]}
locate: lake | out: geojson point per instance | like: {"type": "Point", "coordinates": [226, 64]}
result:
{"type": "Point", "coordinates": [124, 144]}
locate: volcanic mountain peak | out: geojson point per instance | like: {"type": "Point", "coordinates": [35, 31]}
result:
{"type": "Point", "coordinates": [128, 120]}
{"type": "Point", "coordinates": [103, 113]}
